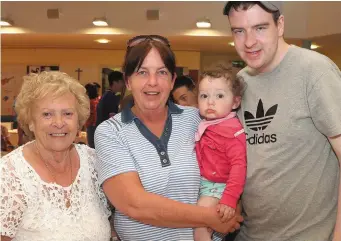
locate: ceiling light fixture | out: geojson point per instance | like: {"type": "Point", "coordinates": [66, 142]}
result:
{"type": "Point", "coordinates": [314, 46]}
{"type": "Point", "coordinates": [100, 22]}
{"type": "Point", "coordinates": [231, 43]}
{"type": "Point", "coordinates": [6, 22]}
{"type": "Point", "coordinates": [103, 41]}
{"type": "Point", "coordinates": [204, 23]}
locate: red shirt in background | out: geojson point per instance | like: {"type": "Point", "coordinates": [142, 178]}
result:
{"type": "Point", "coordinates": [93, 113]}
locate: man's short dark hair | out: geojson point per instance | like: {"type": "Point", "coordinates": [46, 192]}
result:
{"type": "Point", "coordinates": [115, 76]}
{"type": "Point", "coordinates": [245, 5]}
{"type": "Point", "coordinates": [181, 81]}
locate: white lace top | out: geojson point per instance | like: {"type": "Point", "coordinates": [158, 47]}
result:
{"type": "Point", "coordinates": [31, 209]}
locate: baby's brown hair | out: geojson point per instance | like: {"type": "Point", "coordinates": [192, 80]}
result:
{"type": "Point", "coordinates": [236, 82]}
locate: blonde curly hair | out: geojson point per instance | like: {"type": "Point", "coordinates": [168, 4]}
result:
{"type": "Point", "coordinates": [54, 83]}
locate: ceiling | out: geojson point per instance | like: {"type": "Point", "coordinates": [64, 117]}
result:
{"type": "Point", "coordinates": [74, 29]}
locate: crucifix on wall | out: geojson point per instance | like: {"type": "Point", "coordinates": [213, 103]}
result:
{"type": "Point", "coordinates": [79, 73]}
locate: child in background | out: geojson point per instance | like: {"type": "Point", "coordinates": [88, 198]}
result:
{"type": "Point", "coordinates": [220, 145]}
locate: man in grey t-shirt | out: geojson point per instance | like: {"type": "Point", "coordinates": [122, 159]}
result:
{"type": "Point", "coordinates": [292, 117]}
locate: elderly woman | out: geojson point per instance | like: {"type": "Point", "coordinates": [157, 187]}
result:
{"type": "Point", "coordinates": [147, 163]}
{"type": "Point", "coordinates": [49, 187]}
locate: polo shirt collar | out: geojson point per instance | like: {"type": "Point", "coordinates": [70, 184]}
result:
{"type": "Point", "coordinates": [127, 115]}
{"type": "Point", "coordinates": [173, 109]}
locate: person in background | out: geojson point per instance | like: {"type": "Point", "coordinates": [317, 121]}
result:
{"type": "Point", "coordinates": [220, 145]}
{"type": "Point", "coordinates": [92, 92]}
{"type": "Point", "coordinates": [184, 92]}
{"type": "Point", "coordinates": [22, 137]}
{"type": "Point", "coordinates": [109, 102]}
{"type": "Point", "coordinates": [6, 145]}
{"type": "Point", "coordinates": [146, 154]}
{"type": "Point", "coordinates": [98, 87]}
{"type": "Point", "coordinates": [292, 118]}
{"type": "Point", "coordinates": [49, 187]}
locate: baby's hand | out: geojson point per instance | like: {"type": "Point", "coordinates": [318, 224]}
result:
{"type": "Point", "coordinates": [225, 212]}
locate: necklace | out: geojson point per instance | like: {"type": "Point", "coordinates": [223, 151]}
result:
{"type": "Point", "coordinates": [67, 197]}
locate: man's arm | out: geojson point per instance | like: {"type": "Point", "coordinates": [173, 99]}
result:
{"type": "Point", "coordinates": [336, 144]}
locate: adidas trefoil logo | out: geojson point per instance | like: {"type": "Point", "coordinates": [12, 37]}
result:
{"type": "Point", "coordinates": [261, 121]}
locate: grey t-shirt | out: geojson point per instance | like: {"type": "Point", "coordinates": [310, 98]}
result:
{"type": "Point", "coordinates": [292, 173]}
